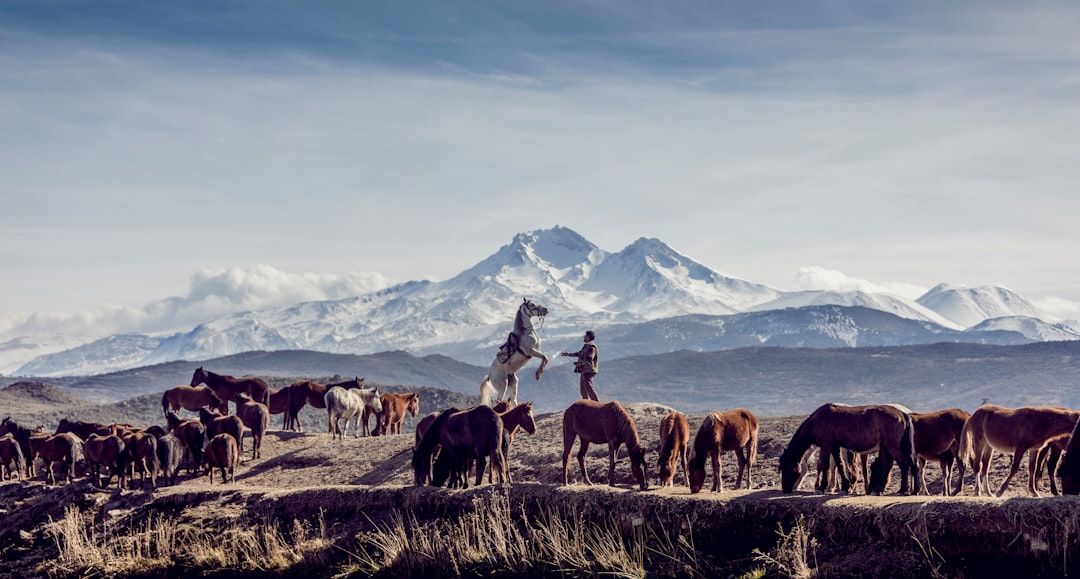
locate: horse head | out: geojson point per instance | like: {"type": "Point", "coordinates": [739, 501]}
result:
{"type": "Point", "coordinates": [638, 467]}
{"type": "Point", "coordinates": [198, 377]}
{"type": "Point", "coordinates": [533, 309]}
{"type": "Point", "coordinates": [789, 470]}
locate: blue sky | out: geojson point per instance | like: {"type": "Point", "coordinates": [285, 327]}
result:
{"type": "Point", "coordinates": [241, 154]}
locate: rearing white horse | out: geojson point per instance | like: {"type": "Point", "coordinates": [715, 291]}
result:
{"type": "Point", "coordinates": [501, 377]}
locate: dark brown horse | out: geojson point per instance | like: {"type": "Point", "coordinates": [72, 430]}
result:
{"type": "Point", "coordinates": [227, 387]}
{"type": "Point", "coordinates": [140, 450]}
{"type": "Point", "coordinates": [223, 453]}
{"type": "Point", "coordinates": [602, 423]}
{"type": "Point", "coordinates": [192, 434]}
{"type": "Point", "coordinates": [475, 432]}
{"type": "Point", "coordinates": [22, 435]}
{"type": "Point", "coordinates": [394, 407]}
{"type": "Point", "coordinates": [105, 452]}
{"type": "Point", "coordinates": [192, 398]}
{"type": "Point", "coordinates": [861, 429]}
{"type": "Point", "coordinates": [1012, 431]}
{"type": "Point", "coordinates": [11, 453]}
{"type": "Point", "coordinates": [278, 403]}
{"type": "Point", "coordinates": [720, 432]}
{"type": "Point", "coordinates": [674, 446]}
{"type": "Point", "coordinates": [217, 423]}
{"type": "Point", "coordinates": [308, 392]}
{"type": "Point", "coordinates": [1048, 459]}
{"type": "Point", "coordinates": [1069, 471]}
{"type": "Point", "coordinates": [256, 417]}
{"type": "Point", "coordinates": [83, 429]}
{"type": "Point", "coordinates": [63, 449]}
{"type": "Point", "coordinates": [170, 452]}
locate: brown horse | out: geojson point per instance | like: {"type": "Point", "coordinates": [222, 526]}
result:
{"type": "Point", "coordinates": [192, 434]}
{"type": "Point", "coordinates": [674, 446]}
{"type": "Point", "coordinates": [256, 416]}
{"type": "Point", "coordinates": [217, 423]}
{"type": "Point", "coordinates": [312, 394]}
{"type": "Point", "coordinates": [192, 398]}
{"type": "Point", "coordinates": [170, 451]}
{"type": "Point", "coordinates": [475, 432]}
{"type": "Point", "coordinates": [227, 387]}
{"type": "Point", "coordinates": [600, 423]}
{"type": "Point", "coordinates": [140, 451]}
{"type": "Point", "coordinates": [83, 429]}
{"type": "Point", "coordinates": [62, 449]}
{"type": "Point", "coordinates": [1069, 471]}
{"type": "Point", "coordinates": [722, 431]}
{"type": "Point", "coordinates": [22, 436]}
{"type": "Point", "coordinates": [1048, 459]}
{"type": "Point", "coordinates": [105, 452]}
{"type": "Point", "coordinates": [937, 437]}
{"type": "Point", "coordinates": [223, 453]}
{"type": "Point", "coordinates": [861, 429]}
{"type": "Point", "coordinates": [1012, 431]}
{"type": "Point", "coordinates": [394, 407]}
{"type": "Point", "coordinates": [11, 452]}
{"type": "Point", "coordinates": [278, 403]}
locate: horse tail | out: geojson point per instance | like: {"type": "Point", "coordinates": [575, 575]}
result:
{"type": "Point", "coordinates": [907, 448]}
{"type": "Point", "coordinates": [487, 391]}
{"type": "Point", "coordinates": [967, 445]}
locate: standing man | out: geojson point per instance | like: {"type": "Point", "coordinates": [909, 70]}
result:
{"type": "Point", "coordinates": [588, 365]}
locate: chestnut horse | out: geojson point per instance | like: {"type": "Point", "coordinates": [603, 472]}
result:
{"type": "Point", "coordinates": [937, 437]}
{"type": "Point", "coordinates": [278, 403]}
{"type": "Point", "coordinates": [193, 434]}
{"type": "Point", "coordinates": [105, 452]}
{"type": "Point", "coordinates": [600, 423]}
{"type": "Point", "coordinates": [1048, 459]}
{"type": "Point", "coordinates": [312, 394]}
{"type": "Point", "coordinates": [223, 453]}
{"type": "Point", "coordinates": [861, 429]}
{"type": "Point", "coordinates": [1012, 431]}
{"type": "Point", "coordinates": [256, 417]}
{"type": "Point", "coordinates": [475, 432]}
{"type": "Point", "coordinates": [192, 398]}
{"type": "Point", "coordinates": [62, 448]}
{"type": "Point", "coordinates": [10, 452]}
{"type": "Point", "coordinates": [227, 387]}
{"type": "Point", "coordinates": [722, 431]}
{"type": "Point", "coordinates": [674, 446]}
{"type": "Point", "coordinates": [394, 407]}
{"type": "Point", "coordinates": [217, 423]}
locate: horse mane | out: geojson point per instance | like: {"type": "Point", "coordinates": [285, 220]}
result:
{"type": "Point", "coordinates": [432, 437]}
{"type": "Point", "coordinates": [627, 430]}
{"type": "Point", "coordinates": [802, 440]}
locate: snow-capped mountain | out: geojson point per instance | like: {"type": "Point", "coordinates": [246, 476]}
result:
{"type": "Point", "coordinates": [646, 287]}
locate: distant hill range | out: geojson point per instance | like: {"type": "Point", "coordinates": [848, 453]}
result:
{"type": "Point", "coordinates": [771, 381]}
{"type": "Point", "coordinates": [646, 299]}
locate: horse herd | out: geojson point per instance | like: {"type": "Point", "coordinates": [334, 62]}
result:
{"type": "Point", "coordinates": [214, 440]}
{"type": "Point", "coordinates": [451, 443]}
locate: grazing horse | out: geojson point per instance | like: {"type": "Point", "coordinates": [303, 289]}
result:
{"type": "Point", "coordinates": [674, 445]}
{"type": "Point", "coordinates": [1012, 431]}
{"type": "Point", "coordinates": [227, 387]}
{"type": "Point", "coordinates": [170, 452]}
{"type": "Point", "coordinates": [140, 450]}
{"type": "Point", "coordinates": [476, 432]}
{"type": "Point", "coordinates": [105, 452]}
{"type": "Point", "coordinates": [600, 423]}
{"type": "Point", "coordinates": [313, 394]}
{"type": "Point", "coordinates": [861, 429]}
{"type": "Point", "coordinates": [192, 398]}
{"type": "Point", "coordinates": [193, 434]}
{"type": "Point", "coordinates": [256, 416]}
{"type": "Point", "coordinates": [722, 431]}
{"type": "Point", "coordinates": [10, 452]}
{"type": "Point", "coordinates": [501, 377]}
{"type": "Point", "coordinates": [62, 448]}
{"type": "Point", "coordinates": [223, 453]}
{"type": "Point", "coordinates": [22, 435]}
{"type": "Point", "coordinates": [348, 403]}
{"type": "Point", "coordinates": [394, 407]}
{"type": "Point", "coordinates": [217, 423]}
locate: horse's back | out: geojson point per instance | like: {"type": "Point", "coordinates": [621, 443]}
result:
{"type": "Point", "coordinates": [596, 422]}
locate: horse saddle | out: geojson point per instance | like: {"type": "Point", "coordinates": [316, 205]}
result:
{"type": "Point", "coordinates": [512, 344]}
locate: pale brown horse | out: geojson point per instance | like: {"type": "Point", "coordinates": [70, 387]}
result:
{"type": "Point", "coordinates": [674, 447]}
{"type": "Point", "coordinates": [735, 430]}
{"type": "Point", "coordinates": [11, 452]}
{"type": "Point", "coordinates": [861, 429]}
{"type": "Point", "coordinates": [1012, 431]}
{"type": "Point", "coordinates": [256, 417]}
{"type": "Point", "coordinates": [394, 407]}
{"type": "Point", "coordinates": [63, 449]}
{"type": "Point", "coordinates": [223, 453]}
{"type": "Point", "coordinates": [308, 392]}
{"type": "Point", "coordinates": [602, 423]}
{"type": "Point", "coordinates": [105, 452]}
{"type": "Point", "coordinates": [227, 387]}
{"type": "Point", "coordinates": [217, 423]}
{"type": "Point", "coordinates": [192, 398]}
